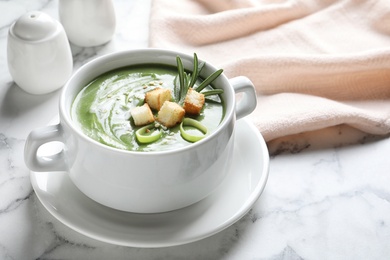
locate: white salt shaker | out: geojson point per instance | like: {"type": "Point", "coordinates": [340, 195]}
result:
{"type": "Point", "coordinates": [38, 53]}
{"type": "Point", "coordinates": [88, 22]}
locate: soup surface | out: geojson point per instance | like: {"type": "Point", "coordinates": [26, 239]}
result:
{"type": "Point", "coordinates": [102, 109]}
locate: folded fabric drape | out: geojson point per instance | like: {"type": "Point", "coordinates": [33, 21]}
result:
{"type": "Point", "coordinates": [314, 63]}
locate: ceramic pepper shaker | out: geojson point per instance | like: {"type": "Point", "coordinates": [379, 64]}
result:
{"type": "Point", "coordinates": [88, 22]}
{"type": "Point", "coordinates": [38, 53]}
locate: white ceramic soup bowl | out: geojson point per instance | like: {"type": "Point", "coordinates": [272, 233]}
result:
{"type": "Point", "coordinates": [141, 182]}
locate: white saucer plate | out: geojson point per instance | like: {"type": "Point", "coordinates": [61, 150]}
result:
{"type": "Point", "coordinates": [231, 201]}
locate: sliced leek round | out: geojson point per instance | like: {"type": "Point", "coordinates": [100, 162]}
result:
{"type": "Point", "coordinates": [196, 124]}
{"type": "Point", "coordinates": [145, 135]}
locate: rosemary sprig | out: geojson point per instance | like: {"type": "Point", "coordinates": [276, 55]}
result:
{"type": "Point", "coordinates": [208, 80]}
{"type": "Point", "coordinates": [212, 92]}
{"type": "Point", "coordinates": [184, 81]}
{"type": "Point", "coordinates": [195, 72]}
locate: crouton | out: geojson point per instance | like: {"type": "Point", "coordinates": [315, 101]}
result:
{"type": "Point", "coordinates": [193, 102]}
{"type": "Point", "coordinates": [142, 115]}
{"type": "Point", "coordinates": [157, 97]}
{"type": "Point", "coordinates": [170, 114]}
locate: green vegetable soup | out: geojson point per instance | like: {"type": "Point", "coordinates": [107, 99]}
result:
{"type": "Point", "coordinates": [102, 109]}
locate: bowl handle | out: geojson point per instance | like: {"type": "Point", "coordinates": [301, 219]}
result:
{"type": "Point", "coordinates": [36, 139]}
{"type": "Point", "coordinates": [248, 103]}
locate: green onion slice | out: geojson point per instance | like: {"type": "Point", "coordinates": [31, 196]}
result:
{"type": "Point", "coordinates": [194, 123]}
{"type": "Point", "coordinates": [147, 138]}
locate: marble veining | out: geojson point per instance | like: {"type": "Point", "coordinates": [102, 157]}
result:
{"type": "Point", "coordinates": [327, 196]}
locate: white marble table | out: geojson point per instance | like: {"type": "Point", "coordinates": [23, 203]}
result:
{"type": "Point", "coordinates": [325, 198]}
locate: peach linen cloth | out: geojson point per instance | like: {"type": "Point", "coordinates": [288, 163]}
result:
{"type": "Point", "coordinates": [314, 63]}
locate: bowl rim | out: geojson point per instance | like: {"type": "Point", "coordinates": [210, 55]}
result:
{"type": "Point", "coordinates": [64, 108]}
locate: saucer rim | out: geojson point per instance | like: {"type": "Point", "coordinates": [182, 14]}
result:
{"type": "Point", "coordinates": [241, 211]}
